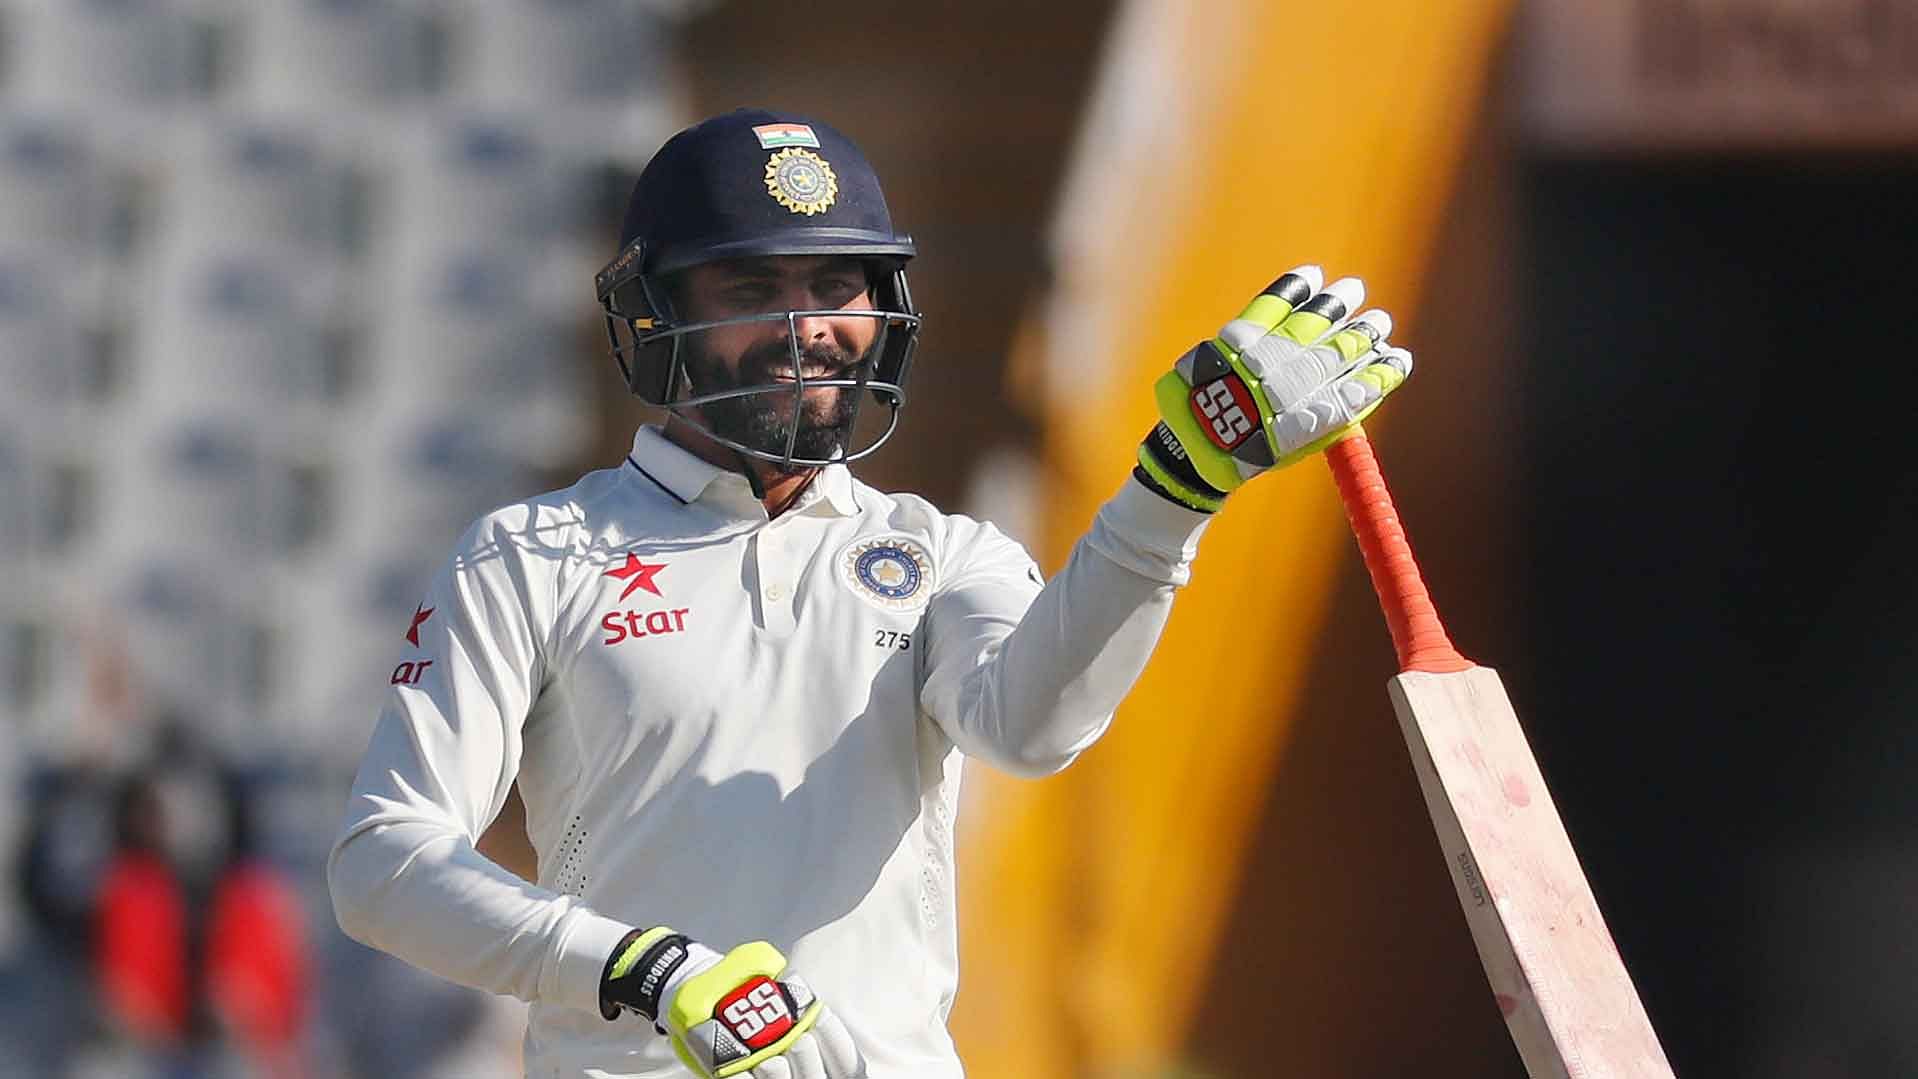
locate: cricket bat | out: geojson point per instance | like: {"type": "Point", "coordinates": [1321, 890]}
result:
{"type": "Point", "coordinates": [1554, 970]}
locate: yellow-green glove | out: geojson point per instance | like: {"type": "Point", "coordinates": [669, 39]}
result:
{"type": "Point", "coordinates": [1288, 377]}
{"type": "Point", "coordinates": [745, 1013]}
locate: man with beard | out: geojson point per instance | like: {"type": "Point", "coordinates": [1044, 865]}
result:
{"type": "Point", "coordinates": [736, 686]}
{"type": "Point", "coordinates": [732, 355]}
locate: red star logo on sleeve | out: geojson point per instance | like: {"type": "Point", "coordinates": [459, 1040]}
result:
{"type": "Point", "coordinates": [637, 574]}
{"type": "Point", "coordinates": [420, 614]}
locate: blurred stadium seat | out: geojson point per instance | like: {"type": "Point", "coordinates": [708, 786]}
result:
{"type": "Point", "coordinates": [465, 181]}
{"type": "Point", "coordinates": [42, 353]}
{"type": "Point", "coordinates": [51, 479]}
{"type": "Point", "coordinates": [422, 477]}
{"type": "Point", "coordinates": [313, 56]}
{"type": "Point", "coordinates": [186, 622]}
{"type": "Point", "coordinates": [542, 52]}
{"type": "Point", "coordinates": [188, 486]}
{"type": "Point", "coordinates": [469, 338]}
{"type": "Point", "coordinates": [16, 522]}
{"type": "Point", "coordinates": [100, 53]}
{"type": "Point", "coordinates": [335, 621]}
{"type": "Point", "coordinates": [53, 196]}
{"type": "Point", "coordinates": [255, 186]}
{"type": "Point", "coordinates": [49, 428]}
{"type": "Point", "coordinates": [237, 334]}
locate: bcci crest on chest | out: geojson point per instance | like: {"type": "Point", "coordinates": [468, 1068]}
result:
{"type": "Point", "coordinates": [893, 573]}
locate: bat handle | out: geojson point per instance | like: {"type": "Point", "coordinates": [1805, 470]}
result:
{"type": "Point", "coordinates": [1417, 633]}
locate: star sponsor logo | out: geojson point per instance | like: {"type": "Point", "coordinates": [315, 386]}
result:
{"type": "Point", "coordinates": [637, 574]}
{"type": "Point", "coordinates": [420, 614]}
{"type": "Point", "coordinates": [892, 572]}
{"type": "Point", "coordinates": [622, 626]}
{"type": "Point", "coordinates": [631, 625]}
{"type": "Point", "coordinates": [410, 672]}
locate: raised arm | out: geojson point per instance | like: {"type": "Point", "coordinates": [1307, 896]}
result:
{"type": "Point", "coordinates": [1028, 677]}
{"type": "Point", "coordinates": [1029, 688]}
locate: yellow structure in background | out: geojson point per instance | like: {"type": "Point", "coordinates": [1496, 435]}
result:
{"type": "Point", "coordinates": [1226, 142]}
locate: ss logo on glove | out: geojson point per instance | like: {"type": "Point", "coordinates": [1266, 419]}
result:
{"type": "Point", "coordinates": [1225, 406]}
{"type": "Point", "coordinates": [756, 1013]}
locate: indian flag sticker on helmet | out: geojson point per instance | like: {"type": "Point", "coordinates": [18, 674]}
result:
{"type": "Point", "coordinates": [774, 136]}
{"type": "Point", "coordinates": [801, 181]}
{"type": "Point", "coordinates": [893, 573]}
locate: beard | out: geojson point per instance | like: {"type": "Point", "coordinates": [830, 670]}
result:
{"type": "Point", "coordinates": [762, 421]}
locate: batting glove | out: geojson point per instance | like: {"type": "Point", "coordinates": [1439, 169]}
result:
{"type": "Point", "coordinates": [741, 1014]}
{"type": "Point", "coordinates": [1288, 377]}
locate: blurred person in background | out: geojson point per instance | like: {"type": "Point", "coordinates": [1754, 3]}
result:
{"type": "Point", "coordinates": [735, 686]}
{"type": "Point", "coordinates": [141, 926]}
{"type": "Point", "coordinates": [258, 970]}
{"type": "Point", "coordinates": [195, 944]}
{"type": "Point", "coordinates": [67, 837]}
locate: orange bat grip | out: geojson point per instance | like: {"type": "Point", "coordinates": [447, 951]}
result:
{"type": "Point", "coordinates": [1416, 631]}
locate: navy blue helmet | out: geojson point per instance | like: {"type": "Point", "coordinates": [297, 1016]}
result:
{"type": "Point", "coordinates": [745, 184]}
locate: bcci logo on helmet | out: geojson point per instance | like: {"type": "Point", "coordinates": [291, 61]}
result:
{"type": "Point", "coordinates": [801, 181]}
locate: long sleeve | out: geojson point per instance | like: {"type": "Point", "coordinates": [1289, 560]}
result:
{"type": "Point", "coordinates": [1029, 682]}
{"type": "Point", "coordinates": [404, 875]}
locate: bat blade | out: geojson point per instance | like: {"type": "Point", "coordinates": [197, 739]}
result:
{"type": "Point", "coordinates": [1554, 970]}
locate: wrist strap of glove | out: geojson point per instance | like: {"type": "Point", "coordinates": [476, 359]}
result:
{"type": "Point", "coordinates": [638, 970]}
{"type": "Point", "coordinates": [1167, 471]}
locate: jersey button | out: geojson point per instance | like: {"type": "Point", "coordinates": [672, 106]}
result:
{"type": "Point", "coordinates": [775, 593]}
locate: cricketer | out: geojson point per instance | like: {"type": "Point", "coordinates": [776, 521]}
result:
{"type": "Point", "coordinates": [736, 686]}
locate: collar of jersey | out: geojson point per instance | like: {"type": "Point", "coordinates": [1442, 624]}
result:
{"type": "Point", "coordinates": [691, 479]}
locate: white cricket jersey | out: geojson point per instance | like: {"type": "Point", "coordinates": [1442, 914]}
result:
{"type": "Point", "coordinates": [742, 728]}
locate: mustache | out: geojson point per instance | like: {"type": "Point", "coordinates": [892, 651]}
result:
{"type": "Point", "coordinates": [759, 364]}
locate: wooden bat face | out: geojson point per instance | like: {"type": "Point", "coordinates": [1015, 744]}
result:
{"type": "Point", "coordinates": [1554, 970]}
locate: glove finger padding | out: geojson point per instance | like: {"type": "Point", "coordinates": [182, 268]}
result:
{"type": "Point", "coordinates": [1271, 307]}
{"type": "Point", "coordinates": [1337, 409]}
{"type": "Point", "coordinates": [1362, 370]}
{"type": "Point", "coordinates": [801, 1061]}
{"type": "Point", "coordinates": [837, 1048]}
{"type": "Point", "coordinates": [1289, 373]}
